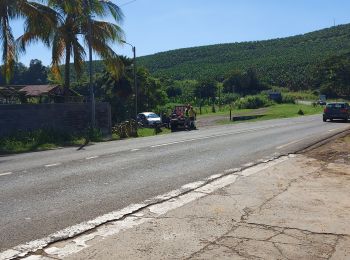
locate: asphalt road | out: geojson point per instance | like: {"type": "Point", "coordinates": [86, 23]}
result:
{"type": "Point", "coordinates": [47, 191]}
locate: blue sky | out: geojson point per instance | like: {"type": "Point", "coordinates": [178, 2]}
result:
{"type": "Point", "coordinates": [160, 25]}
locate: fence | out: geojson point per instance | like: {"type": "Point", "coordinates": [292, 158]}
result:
{"type": "Point", "coordinates": [66, 117]}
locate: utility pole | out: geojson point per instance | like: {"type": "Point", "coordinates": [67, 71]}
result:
{"type": "Point", "coordinates": [91, 86]}
{"type": "Point", "coordinates": [135, 82]}
{"type": "Point", "coordinates": [135, 78]}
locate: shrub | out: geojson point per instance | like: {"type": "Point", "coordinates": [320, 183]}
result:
{"type": "Point", "coordinates": [229, 98]}
{"type": "Point", "coordinates": [288, 98]}
{"type": "Point", "coordinates": [126, 129]}
{"type": "Point", "coordinates": [253, 102]}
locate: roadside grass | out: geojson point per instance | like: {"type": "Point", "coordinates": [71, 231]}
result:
{"type": "Point", "coordinates": [38, 140]}
{"type": "Point", "coordinates": [143, 132]}
{"type": "Point", "coordinates": [46, 139]}
{"type": "Point", "coordinates": [277, 111]}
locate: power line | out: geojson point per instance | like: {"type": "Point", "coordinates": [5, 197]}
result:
{"type": "Point", "coordinates": [127, 3]}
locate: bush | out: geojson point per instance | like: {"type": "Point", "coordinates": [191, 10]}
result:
{"type": "Point", "coordinates": [306, 95]}
{"type": "Point", "coordinates": [126, 129]}
{"type": "Point", "coordinates": [229, 98]}
{"type": "Point", "coordinates": [288, 98]}
{"type": "Point", "coordinates": [253, 102]}
{"type": "Point", "coordinates": [95, 134]}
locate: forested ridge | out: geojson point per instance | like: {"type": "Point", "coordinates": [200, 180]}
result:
{"type": "Point", "coordinates": [286, 62]}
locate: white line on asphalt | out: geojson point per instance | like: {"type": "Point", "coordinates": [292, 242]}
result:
{"type": "Point", "coordinates": [118, 221]}
{"type": "Point", "coordinates": [332, 130]}
{"type": "Point", "coordinates": [134, 150]}
{"type": "Point", "coordinates": [248, 164]}
{"type": "Point", "coordinates": [217, 135]}
{"type": "Point", "coordinates": [5, 173]}
{"type": "Point", "coordinates": [52, 165]}
{"type": "Point", "coordinates": [90, 158]}
{"type": "Point", "coordinates": [288, 144]}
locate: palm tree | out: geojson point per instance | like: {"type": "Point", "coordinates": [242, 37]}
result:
{"type": "Point", "coordinates": [71, 34]}
{"type": "Point", "coordinates": [37, 18]}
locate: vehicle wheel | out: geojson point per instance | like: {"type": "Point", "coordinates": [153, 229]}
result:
{"type": "Point", "coordinates": [324, 119]}
{"type": "Point", "coordinates": [173, 128]}
{"type": "Point", "coordinates": [331, 119]}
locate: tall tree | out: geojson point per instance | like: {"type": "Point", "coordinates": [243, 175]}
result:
{"type": "Point", "coordinates": [36, 73]}
{"type": "Point", "coordinates": [37, 18]}
{"type": "Point", "coordinates": [206, 89]}
{"type": "Point", "coordinates": [73, 25]}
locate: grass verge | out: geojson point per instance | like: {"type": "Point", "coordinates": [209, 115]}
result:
{"type": "Point", "coordinates": [277, 111]}
{"type": "Point", "coordinates": [144, 132]}
{"type": "Point", "coordinates": [44, 139]}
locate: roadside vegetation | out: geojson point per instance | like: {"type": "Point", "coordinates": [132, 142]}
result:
{"type": "Point", "coordinates": [287, 62]}
{"type": "Point", "coordinates": [46, 139]}
{"type": "Point", "coordinates": [277, 111]}
{"type": "Point", "coordinates": [38, 140]}
{"type": "Point", "coordinates": [238, 78]}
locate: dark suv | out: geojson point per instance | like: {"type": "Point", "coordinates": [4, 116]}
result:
{"type": "Point", "coordinates": [339, 110]}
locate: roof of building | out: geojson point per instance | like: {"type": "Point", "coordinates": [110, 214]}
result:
{"type": "Point", "coordinates": [37, 90]}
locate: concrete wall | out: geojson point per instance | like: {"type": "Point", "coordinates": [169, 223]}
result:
{"type": "Point", "coordinates": [66, 117]}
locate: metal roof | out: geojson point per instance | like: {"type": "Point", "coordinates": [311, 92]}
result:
{"type": "Point", "coordinates": [37, 90]}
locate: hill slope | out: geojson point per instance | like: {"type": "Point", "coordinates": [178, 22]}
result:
{"type": "Point", "coordinates": [285, 61]}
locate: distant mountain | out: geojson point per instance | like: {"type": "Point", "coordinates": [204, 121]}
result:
{"type": "Point", "coordinates": [283, 62]}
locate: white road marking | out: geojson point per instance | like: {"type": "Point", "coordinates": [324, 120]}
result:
{"type": "Point", "coordinates": [217, 135]}
{"type": "Point", "coordinates": [118, 222]}
{"type": "Point", "coordinates": [5, 173]}
{"type": "Point", "coordinates": [52, 165]}
{"type": "Point", "coordinates": [248, 164]}
{"type": "Point", "coordinates": [332, 130]}
{"type": "Point", "coordinates": [90, 158]}
{"type": "Point", "coordinates": [288, 144]}
{"type": "Point", "coordinates": [134, 150]}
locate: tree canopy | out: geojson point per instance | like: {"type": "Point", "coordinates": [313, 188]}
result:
{"type": "Point", "coordinates": [286, 62]}
{"type": "Point", "coordinates": [332, 77]}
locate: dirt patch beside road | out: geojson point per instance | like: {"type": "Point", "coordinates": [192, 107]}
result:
{"type": "Point", "coordinates": [337, 151]}
{"type": "Point", "coordinates": [210, 120]}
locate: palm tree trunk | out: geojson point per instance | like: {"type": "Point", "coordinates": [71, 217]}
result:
{"type": "Point", "coordinates": [67, 68]}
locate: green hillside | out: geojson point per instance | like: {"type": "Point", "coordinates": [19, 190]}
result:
{"type": "Point", "coordinates": [284, 62]}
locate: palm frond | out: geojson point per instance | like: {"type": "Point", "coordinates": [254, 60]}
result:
{"type": "Point", "coordinates": [79, 55]}
{"type": "Point", "coordinates": [58, 48]}
{"type": "Point", "coordinates": [9, 55]}
{"type": "Point", "coordinates": [109, 8]}
{"type": "Point", "coordinates": [112, 61]}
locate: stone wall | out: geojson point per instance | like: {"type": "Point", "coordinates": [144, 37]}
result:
{"type": "Point", "coordinates": [67, 117]}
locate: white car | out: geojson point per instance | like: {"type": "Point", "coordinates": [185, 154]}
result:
{"type": "Point", "coordinates": [149, 118]}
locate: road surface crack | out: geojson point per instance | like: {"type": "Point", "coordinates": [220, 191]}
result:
{"type": "Point", "coordinates": [214, 242]}
{"type": "Point", "coordinates": [278, 194]}
{"type": "Point", "coordinates": [334, 247]}
{"type": "Point", "coordinates": [305, 231]}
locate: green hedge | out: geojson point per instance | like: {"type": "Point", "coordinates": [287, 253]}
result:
{"type": "Point", "coordinates": [253, 102]}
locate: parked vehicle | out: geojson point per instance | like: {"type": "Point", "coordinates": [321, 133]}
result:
{"type": "Point", "coordinates": [337, 110]}
{"type": "Point", "coordinates": [149, 119]}
{"type": "Point", "coordinates": [178, 121]}
{"type": "Point", "coordinates": [321, 102]}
